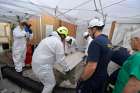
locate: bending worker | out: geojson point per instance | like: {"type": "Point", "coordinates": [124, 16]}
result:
{"type": "Point", "coordinates": [70, 45]}
{"type": "Point", "coordinates": [95, 73]}
{"type": "Point", "coordinates": [49, 51]}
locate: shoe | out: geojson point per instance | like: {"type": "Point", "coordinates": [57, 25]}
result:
{"type": "Point", "coordinates": [20, 73]}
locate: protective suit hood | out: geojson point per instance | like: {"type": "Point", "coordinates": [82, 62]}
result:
{"type": "Point", "coordinates": [54, 33]}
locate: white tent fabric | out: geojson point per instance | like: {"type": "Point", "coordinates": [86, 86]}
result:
{"type": "Point", "coordinates": [75, 11]}
{"type": "Point", "coordinates": [124, 33]}
{"type": "Point", "coordinates": [85, 9]}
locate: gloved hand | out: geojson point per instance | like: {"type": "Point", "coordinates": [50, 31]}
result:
{"type": "Point", "coordinates": [78, 82]}
{"type": "Point", "coordinates": [65, 66]}
{"type": "Point", "coordinates": [84, 58]}
{"type": "Point", "coordinates": [79, 86]}
{"type": "Point", "coordinates": [66, 69]}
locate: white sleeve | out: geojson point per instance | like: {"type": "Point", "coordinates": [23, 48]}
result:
{"type": "Point", "coordinates": [75, 43]}
{"type": "Point", "coordinates": [18, 34]}
{"type": "Point", "coordinates": [60, 57]}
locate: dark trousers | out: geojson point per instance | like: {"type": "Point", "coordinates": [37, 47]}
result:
{"type": "Point", "coordinates": [111, 80]}
{"type": "Point", "coordinates": [113, 77]}
{"type": "Point", "coordinates": [91, 86]}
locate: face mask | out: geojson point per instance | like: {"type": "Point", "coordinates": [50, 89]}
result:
{"type": "Point", "coordinates": [93, 31]}
{"type": "Point", "coordinates": [93, 34]}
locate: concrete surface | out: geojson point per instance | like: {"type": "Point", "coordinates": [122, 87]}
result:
{"type": "Point", "coordinates": [7, 86]}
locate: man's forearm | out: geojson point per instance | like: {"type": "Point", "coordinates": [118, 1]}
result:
{"type": "Point", "coordinates": [86, 74]}
{"type": "Point", "coordinates": [133, 86]}
{"type": "Point", "coordinates": [88, 71]}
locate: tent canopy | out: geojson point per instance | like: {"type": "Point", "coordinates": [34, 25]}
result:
{"type": "Point", "coordinates": [71, 10]}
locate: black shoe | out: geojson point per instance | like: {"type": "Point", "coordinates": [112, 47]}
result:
{"type": "Point", "coordinates": [20, 73]}
{"type": "Point", "coordinates": [3, 71]}
{"type": "Point", "coordinates": [26, 68]}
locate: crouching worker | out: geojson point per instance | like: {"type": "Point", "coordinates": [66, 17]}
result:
{"type": "Point", "coordinates": [70, 45]}
{"type": "Point", "coordinates": [128, 80]}
{"type": "Point", "coordinates": [49, 52]}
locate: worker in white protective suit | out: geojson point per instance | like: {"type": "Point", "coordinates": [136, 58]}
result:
{"type": "Point", "coordinates": [49, 52]}
{"type": "Point", "coordinates": [88, 40]}
{"type": "Point", "coordinates": [19, 47]}
{"type": "Point", "coordinates": [70, 45]}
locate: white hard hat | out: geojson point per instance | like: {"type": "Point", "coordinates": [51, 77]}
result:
{"type": "Point", "coordinates": [95, 22]}
{"type": "Point", "coordinates": [68, 38]}
{"type": "Point", "coordinates": [85, 34]}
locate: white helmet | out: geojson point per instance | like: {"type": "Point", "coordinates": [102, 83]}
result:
{"type": "Point", "coordinates": [85, 34]}
{"type": "Point", "coordinates": [68, 38]}
{"type": "Point", "coordinates": [95, 22]}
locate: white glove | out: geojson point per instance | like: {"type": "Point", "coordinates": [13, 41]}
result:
{"type": "Point", "coordinates": [65, 66]}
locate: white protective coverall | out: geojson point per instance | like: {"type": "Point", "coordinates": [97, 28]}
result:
{"type": "Point", "coordinates": [19, 48]}
{"type": "Point", "coordinates": [88, 41]}
{"type": "Point", "coordinates": [49, 52]}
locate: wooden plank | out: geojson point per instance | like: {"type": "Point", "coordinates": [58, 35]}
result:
{"type": "Point", "coordinates": [34, 21]}
{"type": "Point", "coordinates": [38, 25]}
{"type": "Point", "coordinates": [49, 20]}
{"type": "Point", "coordinates": [112, 30]}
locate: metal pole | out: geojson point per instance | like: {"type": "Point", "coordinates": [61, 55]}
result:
{"type": "Point", "coordinates": [40, 21]}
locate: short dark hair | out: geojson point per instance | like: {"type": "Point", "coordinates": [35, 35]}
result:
{"type": "Point", "coordinates": [23, 23]}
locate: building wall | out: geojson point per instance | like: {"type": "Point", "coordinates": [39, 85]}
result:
{"type": "Point", "coordinates": [5, 33]}
{"type": "Point", "coordinates": [123, 33]}
{"type": "Point", "coordinates": [39, 26]}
